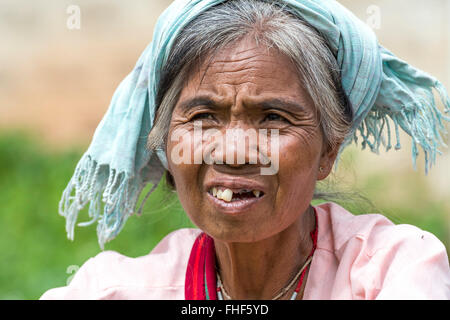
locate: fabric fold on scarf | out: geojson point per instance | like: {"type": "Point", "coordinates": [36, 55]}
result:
{"type": "Point", "coordinates": [383, 90]}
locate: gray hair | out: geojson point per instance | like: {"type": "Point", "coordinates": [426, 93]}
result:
{"type": "Point", "coordinates": [274, 25]}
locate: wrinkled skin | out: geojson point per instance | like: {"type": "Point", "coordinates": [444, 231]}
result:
{"type": "Point", "coordinates": [276, 228]}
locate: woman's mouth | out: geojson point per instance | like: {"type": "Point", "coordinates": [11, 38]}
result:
{"type": "Point", "coordinates": [234, 202]}
{"type": "Point", "coordinates": [229, 195]}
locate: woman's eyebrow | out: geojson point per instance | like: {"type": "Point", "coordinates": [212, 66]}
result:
{"type": "Point", "coordinates": [283, 104]}
{"type": "Point", "coordinates": [197, 101]}
{"type": "Point", "coordinates": [272, 103]}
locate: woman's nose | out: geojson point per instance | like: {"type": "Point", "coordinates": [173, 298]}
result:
{"type": "Point", "coordinates": [239, 146]}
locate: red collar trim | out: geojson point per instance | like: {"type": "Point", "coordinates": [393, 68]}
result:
{"type": "Point", "coordinates": [201, 267]}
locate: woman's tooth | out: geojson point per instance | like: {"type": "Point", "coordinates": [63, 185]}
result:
{"type": "Point", "coordinates": [227, 195]}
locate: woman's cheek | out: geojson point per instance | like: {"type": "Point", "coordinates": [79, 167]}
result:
{"type": "Point", "coordinates": [298, 159]}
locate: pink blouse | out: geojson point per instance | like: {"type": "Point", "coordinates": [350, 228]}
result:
{"type": "Point", "coordinates": [357, 257]}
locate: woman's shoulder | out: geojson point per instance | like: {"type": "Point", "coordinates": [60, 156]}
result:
{"type": "Point", "coordinates": [381, 258]}
{"type": "Point", "coordinates": [111, 275]}
{"type": "Point", "coordinates": [171, 253]}
{"type": "Point", "coordinates": [375, 230]}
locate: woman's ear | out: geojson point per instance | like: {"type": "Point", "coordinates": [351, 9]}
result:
{"type": "Point", "coordinates": [170, 180]}
{"type": "Point", "coordinates": [327, 161]}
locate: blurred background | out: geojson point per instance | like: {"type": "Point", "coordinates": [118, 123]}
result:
{"type": "Point", "coordinates": [57, 76]}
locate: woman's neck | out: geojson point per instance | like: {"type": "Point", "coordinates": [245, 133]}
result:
{"type": "Point", "coordinates": [259, 270]}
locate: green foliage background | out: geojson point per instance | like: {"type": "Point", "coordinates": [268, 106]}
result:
{"type": "Point", "coordinates": [36, 254]}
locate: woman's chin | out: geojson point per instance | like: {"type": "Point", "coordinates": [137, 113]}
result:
{"type": "Point", "coordinates": [244, 235]}
{"type": "Point", "coordinates": [236, 222]}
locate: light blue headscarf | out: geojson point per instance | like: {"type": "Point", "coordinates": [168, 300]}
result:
{"type": "Point", "coordinates": [381, 88]}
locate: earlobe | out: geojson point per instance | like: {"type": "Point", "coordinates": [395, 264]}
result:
{"type": "Point", "coordinates": [323, 173]}
{"type": "Point", "coordinates": [327, 162]}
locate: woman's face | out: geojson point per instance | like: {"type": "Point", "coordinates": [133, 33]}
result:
{"type": "Point", "coordinates": [250, 88]}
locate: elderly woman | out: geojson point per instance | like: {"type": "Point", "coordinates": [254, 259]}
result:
{"type": "Point", "coordinates": [245, 105]}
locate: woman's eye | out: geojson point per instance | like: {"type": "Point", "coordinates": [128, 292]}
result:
{"type": "Point", "coordinates": [203, 116]}
{"type": "Point", "coordinates": [274, 117]}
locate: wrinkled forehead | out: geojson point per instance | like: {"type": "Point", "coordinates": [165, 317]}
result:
{"type": "Point", "coordinates": [247, 67]}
